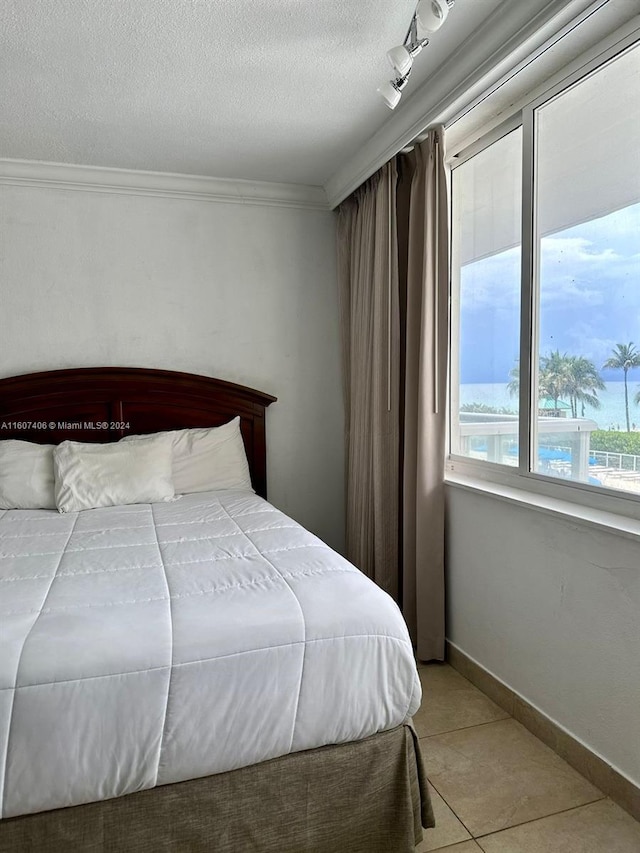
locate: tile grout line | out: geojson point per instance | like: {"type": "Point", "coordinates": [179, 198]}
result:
{"type": "Point", "coordinates": [480, 725]}
{"type": "Point", "coordinates": [464, 728]}
{"type": "Point", "coordinates": [478, 838]}
{"type": "Point", "coordinates": [455, 814]}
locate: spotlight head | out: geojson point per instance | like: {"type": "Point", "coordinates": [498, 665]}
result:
{"type": "Point", "coordinates": [391, 92]}
{"type": "Point", "coordinates": [400, 59]}
{"type": "Point", "coordinates": [432, 14]}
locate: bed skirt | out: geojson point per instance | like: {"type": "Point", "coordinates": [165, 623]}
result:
{"type": "Point", "coordinates": [367, 796]}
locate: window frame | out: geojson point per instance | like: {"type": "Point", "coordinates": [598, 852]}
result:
{"type": "Point", "coordinates": [523, 477]}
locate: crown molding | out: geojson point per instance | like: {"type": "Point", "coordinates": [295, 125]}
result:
{"type": "Point", "coordinates": [99, 179]}
{"type": "Point", "coordinates": [507, 38]}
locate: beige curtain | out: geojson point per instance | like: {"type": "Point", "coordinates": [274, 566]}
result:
{"type": "Point", "coordinates": [423, 212]}
{"type": "Point", "coordinates": [368, 275]}
{"type": "Point", "coordinates": [393, 279]}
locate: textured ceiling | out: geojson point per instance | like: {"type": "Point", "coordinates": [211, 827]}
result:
{"type": "Point", "coordinates": [273, 90]}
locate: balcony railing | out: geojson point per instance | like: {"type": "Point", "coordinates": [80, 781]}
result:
{"type": "Point", "coordinates": [618, 461]}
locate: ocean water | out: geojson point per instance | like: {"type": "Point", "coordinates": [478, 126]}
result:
{"type": "Point", "coordinates": [611, 414]}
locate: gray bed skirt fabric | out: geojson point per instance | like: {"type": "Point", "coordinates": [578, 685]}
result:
{"type": "Point", "coordinates": [368, 796]}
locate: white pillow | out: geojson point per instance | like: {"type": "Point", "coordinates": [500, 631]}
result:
{"type": "Point", "coordinates": [94, 475]}
{"type": "Point", "coordinates": [26, 475]}
{"type": "Point", "coordinates": [207, 459]}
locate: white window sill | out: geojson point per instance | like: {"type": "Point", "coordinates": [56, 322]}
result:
{"type": "Point", "coordinates": [608, 522]}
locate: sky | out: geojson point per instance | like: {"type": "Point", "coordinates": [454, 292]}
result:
{"type": "Point", "coordinates": [589, 299]}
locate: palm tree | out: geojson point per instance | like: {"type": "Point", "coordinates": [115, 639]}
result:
{"type": "Point", "coordinates": [562, 375]}
{"type": "Point", "coordinates": [553, 373]}
{"type": "Point", "coordinates": [624, 357]}
{"type": "Point", "coordinates": [554, 377]}
{"type": "Point", "coordinates": [513, 385]}
{"type": "Point", "coordinates": [584, 382]}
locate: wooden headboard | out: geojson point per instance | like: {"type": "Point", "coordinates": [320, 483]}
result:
{"type": "Point", "coordinates": [106, 403]}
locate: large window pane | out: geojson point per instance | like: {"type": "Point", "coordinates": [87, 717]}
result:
{"type": "Point", "coordinates": [486, 227]}
{"type": "Point", "coordinates": [587, 359]}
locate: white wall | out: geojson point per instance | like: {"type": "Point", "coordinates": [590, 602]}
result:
{"type": "Point", "coordinates": [552, 609]}
{"type": "Point", "coordinates": [241, 292]}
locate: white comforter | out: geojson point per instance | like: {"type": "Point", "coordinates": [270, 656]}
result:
{"type": "Point", "coordinates": [148, 644]}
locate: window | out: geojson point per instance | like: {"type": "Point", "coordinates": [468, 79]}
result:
{"type": "Point", "coordinates": [545, 361]}
{"type": "Point", "coordinates": [486, 261]}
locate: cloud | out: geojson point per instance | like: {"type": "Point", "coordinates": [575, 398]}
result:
{"type": "Point", "coordinates": [572, 270]}
{"type": "Point", "coordinates": [492, 281]}
{"type": "Point", "coordinates": [586, 335]}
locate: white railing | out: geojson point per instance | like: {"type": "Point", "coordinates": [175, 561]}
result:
{"type": "Point", "coordinates": [620, 461]}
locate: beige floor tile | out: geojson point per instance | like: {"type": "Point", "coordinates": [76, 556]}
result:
{"type": "Point", "coordinates": [465, 847]}
{"type": "Point", "coordinates": [450, 702]}
{"type": "Point", "coordinates": [601, 827]}
{"type": "Point", "coordinates": [498, 775]}
{"type": "Point", "coordinates": [448, 829]}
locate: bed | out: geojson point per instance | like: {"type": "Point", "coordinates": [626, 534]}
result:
{"type": "Point", "coordinates": [198, 674]}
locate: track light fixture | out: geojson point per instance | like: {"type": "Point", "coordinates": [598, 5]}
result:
{"type": "Point", "coordinates": [428, 17]}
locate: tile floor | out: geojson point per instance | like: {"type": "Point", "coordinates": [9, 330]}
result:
{"type": "Point", "coordinates": [496, 788]}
